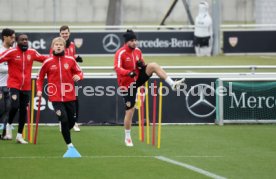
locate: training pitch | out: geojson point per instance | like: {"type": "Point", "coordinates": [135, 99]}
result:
{"type": "Point", "coordinates": [209, 151]}
{"type": "Point", "coordinates": [230, 151]}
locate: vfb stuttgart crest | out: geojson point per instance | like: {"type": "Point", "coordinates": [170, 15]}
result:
{"type": "Point", "coordinates": [66, 66]}
{"type": "Point", "coordinates": [233, 41]}
{"type": "Point", "coordinates": [78, 42]}
{"type": "Point", "coordinates": [28, 57]}
{"type": "Point", "coordinates": [128, 103]}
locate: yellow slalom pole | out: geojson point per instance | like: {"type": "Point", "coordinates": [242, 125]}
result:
{"type": "Point", "coordinates": [159, 116]}
{"type": "Point", "coordinates": [32, 110]}
{"type": "Point", "coordinates": [147, 112]}
{"type": "Point", "coordinates": [138, 106]}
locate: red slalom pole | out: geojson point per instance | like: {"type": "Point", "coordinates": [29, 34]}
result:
{"type": "Point", "coordinates": [29, 122]}
{"type": "Point", "coordinates": [37, 119]}
{"type": "Point", "coordinates": [154, 114]}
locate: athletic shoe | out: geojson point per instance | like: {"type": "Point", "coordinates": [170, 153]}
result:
{"type": "Point", "coordinates": [20, 140]}
{"type": "Point", "coordinates": [177, 84]}
{"type": "Point", "coordinates": [76, 128]}
{"type": "Point", "coordinates": [128, 142]}
{"type": "Point", "coordinates": [8, 135]}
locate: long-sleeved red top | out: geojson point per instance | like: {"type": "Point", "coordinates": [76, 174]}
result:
{"type": "Point", "coordinates": [20, 66]}
{"type": "Point", "coordinates": [125, 62]}
{"type": "Point", "coordinates": [60, 72]}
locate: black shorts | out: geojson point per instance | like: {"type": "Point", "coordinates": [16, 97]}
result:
{"type": "Point", "coordinates": [201, 41]}
{"type": "Point", "coordinates": [130, 95]}
{"type": "Point", "coordinates": [19, 98]}
{"type": "Point", "coordinates": [65, 111]}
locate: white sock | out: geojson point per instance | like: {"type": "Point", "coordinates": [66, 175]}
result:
{"type": "Point", "coordinates": [201, 52]}
{"type": "Point", "coordinates": [169, 81]}
{"type": "Point", "coordinates": [70, 145]}
{"type": "Point", "coordinates": [9, 126]}
{"type": "Point", "coordinates": [197, 50]}
{"type": "Point", "coordinates": [127, 133]}
{"type": "Point", "coordinates": [19, 135]}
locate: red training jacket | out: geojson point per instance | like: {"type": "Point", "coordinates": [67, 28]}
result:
{"type": "Point", "coordinates": [124, 63]}
{"type": "Point", "coordinates": [70, 51]}
{"type": "Point", "coordinates": [20, 66]}
{"type": "Point", "coordinates": [60, 72]}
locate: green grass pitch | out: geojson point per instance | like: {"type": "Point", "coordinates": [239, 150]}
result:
{"type": "Point", "coordinates": [231, 151]}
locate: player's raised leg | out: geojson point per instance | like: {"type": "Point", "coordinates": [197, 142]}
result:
{"type": "Point", "coordinates": [155, 68]}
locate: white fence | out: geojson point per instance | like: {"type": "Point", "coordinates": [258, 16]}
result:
{"type": "Point", "coordinates": [251, 74]}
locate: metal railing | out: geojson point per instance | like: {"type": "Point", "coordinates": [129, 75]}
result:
{"type": "Point", "coordinates": [190, 74]}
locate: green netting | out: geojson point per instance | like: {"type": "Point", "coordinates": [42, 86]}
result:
{"type": "Point", "coordinates": [249, 100]}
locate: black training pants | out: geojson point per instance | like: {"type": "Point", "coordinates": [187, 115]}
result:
{"type": "Point", "coordinates": [19, 101]}
{"type": "Point", "coordinates": [66, 113]}
{"type": "Point", "coordinates": [5, 104]}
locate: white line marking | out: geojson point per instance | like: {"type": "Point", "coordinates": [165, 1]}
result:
{"type": "Point", "coordinates": [119, 156]}
{"type": "Point", "coordinates": [199, 156]}
{"type": "Point", "coordinates": [31, 157]}
{"type": "Point", "coordinates": [193, 168]}
{"type": "Point", "coordinates": [106, 156]}
{"type": "Point", "coordinates": [269, 57]}
{"type": "Point", "coordinates": [92, 156]}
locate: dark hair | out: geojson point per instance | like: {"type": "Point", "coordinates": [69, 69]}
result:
{"type": "Point", "coordinates": [129, 35]}
{"type": "Point", "coordinates": [17, 37]}
{"type": "Point", "coordinates": [64, 27]}
{"type": "Point", "coordinates": [7, 32]}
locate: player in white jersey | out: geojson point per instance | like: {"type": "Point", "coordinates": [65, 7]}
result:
{"type": "Point", "coordinates": [203, 31]}
{"type": "Point", "coordinates": [8, 39]}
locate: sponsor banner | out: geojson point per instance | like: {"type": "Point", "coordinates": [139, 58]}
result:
{"type": "Point", "coordinates": [94, 43]}
{"type": "Point", "coordinates": [249, 41]}
{"type": "Point", "coordinates": [100, 102]}
{"type": "Point", "coordinates": [249, 100]}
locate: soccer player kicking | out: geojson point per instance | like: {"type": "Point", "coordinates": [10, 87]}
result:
{"type": "Point", "coordinates": [62, 71]}
{"type": "Point", "coordinates": [20, 62]}
{"type": "Point", "coordinates": [132, 72]}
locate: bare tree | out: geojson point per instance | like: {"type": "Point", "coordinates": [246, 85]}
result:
{"type": "Point", "coordinates": [114, 13]}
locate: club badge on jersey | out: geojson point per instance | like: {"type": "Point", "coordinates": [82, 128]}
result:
{"type": "Point", "coordinates": [66, 66]}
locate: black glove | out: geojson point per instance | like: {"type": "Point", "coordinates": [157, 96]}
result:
{"type": "Point", "coordinates": [132, 74]}
{"type": "Point", "coordinates": [68, 42]}
{"type": "Point", "coordinates": [79, 59]}
{"type": "Point", "coordinates": [140, 64]}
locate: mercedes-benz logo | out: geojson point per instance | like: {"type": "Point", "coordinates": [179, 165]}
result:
{"type": "Point", "coordinates": [111, 42]}
{"type": "Point", "coordinates": [200, 105]}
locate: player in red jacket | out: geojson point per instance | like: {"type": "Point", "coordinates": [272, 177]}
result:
{"type": "Point", "coordinates": [132, 72]}
{"type": "Point", "coordinates": [20, 61]}
{"type": "Point", "coordinates": [62, 71]}
{"type": "Point", "coordinates": [70, 50]}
